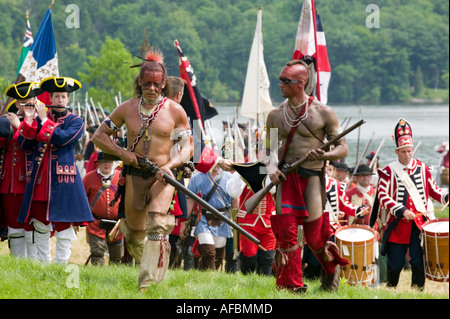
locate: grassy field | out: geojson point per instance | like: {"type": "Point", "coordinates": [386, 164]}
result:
{"type": "Point", "coordinates": [33, 280]}
{"type": "Point", "coordinates": [25, 279]}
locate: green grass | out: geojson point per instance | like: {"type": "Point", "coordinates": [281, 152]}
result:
{"type": "Point", "coordinates": [25, 279]}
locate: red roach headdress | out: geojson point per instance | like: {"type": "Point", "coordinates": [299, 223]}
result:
{"type": "Point", "coordinates": [153, 58]}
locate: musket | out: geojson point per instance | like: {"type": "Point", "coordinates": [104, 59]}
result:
{"type": "Point", "coordinates": [48, 106]}
{"type": "Point", "coordinates": [253, 201]}
{"type": "Point", "coordinates": [101, 109]}
{"type": "Point", "coordinates": [150, 167]}
{"type": "Point", "coordinates": [376, 153]}
{"type": "Point", "coordinates": [416, 148]}
{"type": "Point", "coordinates": [95, 112]}
{"type": "Point", "coordinates": [359, 161]}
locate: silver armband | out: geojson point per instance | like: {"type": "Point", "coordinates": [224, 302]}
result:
{"type": "Point", "coordinates": [180, 135]}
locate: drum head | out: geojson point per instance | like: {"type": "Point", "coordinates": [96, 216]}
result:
{"type": "Point", "coordinates": [355, 233]}
{"type": "Point", "coordinates": [438, 226]}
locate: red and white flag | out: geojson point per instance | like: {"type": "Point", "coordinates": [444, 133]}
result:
{"type": "Point", "coordinates": [310, 40]}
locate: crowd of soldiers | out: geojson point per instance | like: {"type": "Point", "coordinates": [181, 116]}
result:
{"type": "Point", "coordinates": [58, 177]}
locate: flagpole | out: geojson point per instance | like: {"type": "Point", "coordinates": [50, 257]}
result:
{"type": "Point", "coordinates": [258, 51]}
{"type": "Point", "coordinates": [51, 5]}
{"type": "Point", "coordinates": [313, 8]}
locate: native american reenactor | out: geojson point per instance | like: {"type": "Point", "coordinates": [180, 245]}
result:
{"type": "Point", "coordinates": [303, 124]}
{"type": "Point", "coordinates": [54, 198]}
{"type": "Point", "coordinates": [403, 191]}
{"type": "Point", "coordinates": [13, 171]}
{"type": "Point", "coordinates": [362, 195]}
{"type": "Point", "coordinates": [256, 223]}
{"type": "Point", "coordinates": [155, 125]}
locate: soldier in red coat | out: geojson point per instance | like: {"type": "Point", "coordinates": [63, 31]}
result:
{"type": "Point", "coordinates": [362, 195]}
{"type": "Point", "coordinates": [101, 186]}
{"type": "Point", "coordinates": [403, 190]}
{"type": "Point", "coordinates": [256, 223]}
{"type": "Point", "coordinates": [13, 172]}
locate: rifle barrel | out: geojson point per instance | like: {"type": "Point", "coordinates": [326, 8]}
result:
{"type": "Point", "coordinates": [48, 106]}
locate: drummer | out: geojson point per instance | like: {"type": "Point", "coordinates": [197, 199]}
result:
{"type": "Point", "coordinates": [406, 205]}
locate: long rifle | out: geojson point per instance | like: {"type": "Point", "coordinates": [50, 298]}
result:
{"type": "Point", "coordinates": [253, 201]}
{"type": "Point", "coordinates": [416, 148]}
{"type": "Point", "coordinates": [95, 112]}
{"type": "Point", "coordinates": [146, 165]}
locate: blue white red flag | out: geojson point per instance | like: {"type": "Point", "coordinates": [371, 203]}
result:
{"type": "Point", "coordinates": [310, 40]}
{"type": "Point", "coordinates": [42, 60]}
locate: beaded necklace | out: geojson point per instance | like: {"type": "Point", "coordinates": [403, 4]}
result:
{"type": "Point", "coordinates": [147, 122]}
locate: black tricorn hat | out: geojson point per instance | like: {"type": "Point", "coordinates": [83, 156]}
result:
{"type": "Point", "coordinates": [106, 157]}
{"type": "Point", "coordinates": [59, 84]}
{"type": "Point", "coordinates": [253, 174]}
{"type": "Point", "coordinates": [11, 107]}
{"type": "Point", "coordinates": [363, 169]}
{"type": "Point", "coordinates": [23, 90]}
{"type": "Point", "coordinates": [340, 165]}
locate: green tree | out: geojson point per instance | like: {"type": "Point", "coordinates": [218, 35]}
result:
{"type": "Point", "coordinates": [109, 74]}
{"type": "Point", "coordinates": [419, 86]}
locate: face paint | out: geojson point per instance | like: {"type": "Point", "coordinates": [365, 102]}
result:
{"type": "Point", "coordinates": [152, 82]}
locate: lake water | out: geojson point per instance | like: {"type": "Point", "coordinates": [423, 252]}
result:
{"type": "Point", "coordinates": [430, 126]}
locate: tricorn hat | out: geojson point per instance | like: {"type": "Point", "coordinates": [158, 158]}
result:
{"type": "Point", "coordinates": [363, 169]}
{"type": "Point", "coordinates": [59, 84]}
{"type": "Point", "coordinates": [23, 90]}
{"type": "Point", "coordinates": [340, 165]}
{"type": "Point", "coordinates": [11, 107]}
{"type": "Point", "coordinates": [106, 157]}
{"type": "Point", "coordinates": [403, 134]}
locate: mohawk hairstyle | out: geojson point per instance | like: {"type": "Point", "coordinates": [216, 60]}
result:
{"type": "Point", "coordinates": [153, 58]}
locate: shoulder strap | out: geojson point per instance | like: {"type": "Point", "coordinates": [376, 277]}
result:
{"type": "Point", "coordinates": [97, 196]}
{"type": "Point", "coordinates": [215, 185]}
{"type": "Point", "coordinates": [410, 187]}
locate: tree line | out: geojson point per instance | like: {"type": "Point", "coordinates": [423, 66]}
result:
{"type": "Point", "coordinates": [392, 62]}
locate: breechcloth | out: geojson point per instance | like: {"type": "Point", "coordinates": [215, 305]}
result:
{"type": "Point", "coordinates": [139, 186]}
{"type": "Point", "coordinates": [292, 199]}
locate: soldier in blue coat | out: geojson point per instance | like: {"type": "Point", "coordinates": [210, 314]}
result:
{"type": "Point", "coordinates": [54, 198]}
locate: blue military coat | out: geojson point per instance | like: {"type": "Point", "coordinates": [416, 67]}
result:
{"type": "Point", "coordinates": [52, 175]}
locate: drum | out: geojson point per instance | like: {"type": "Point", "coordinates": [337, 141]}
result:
{"type": "Point", "coordinates": [435, 245]}
{"type": "Point", "coordinates": [358, 244]}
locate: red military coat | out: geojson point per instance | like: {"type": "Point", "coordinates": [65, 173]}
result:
{"type": "Point", "coordinates": [92, 184]}
{"type": "Point", "coordinates": [338, 204]}
{"type": "Point", "coordinates": [12, 167]}
{"type": "Point", "coordinates": [394, 197]}
{"type": "Point", "coordinates": [358, 198]}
